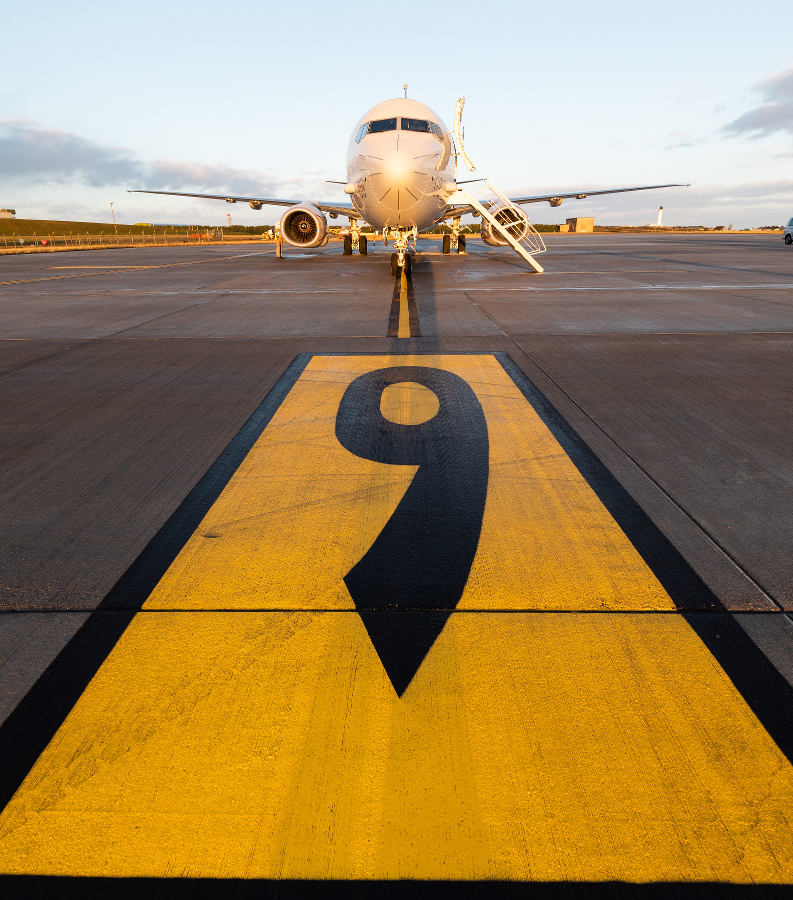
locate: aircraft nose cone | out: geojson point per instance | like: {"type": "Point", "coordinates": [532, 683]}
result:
{"type": "Point", "coordinates": [396, 168]}
{"type": "Point", "coordinates": [394, 185]}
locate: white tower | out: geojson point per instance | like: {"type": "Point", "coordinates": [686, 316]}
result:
{"type": "Point", "coordinates": [660, 214]}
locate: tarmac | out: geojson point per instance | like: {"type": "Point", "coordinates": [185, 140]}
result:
{"type": "Point", "coordinates": [317, 582]}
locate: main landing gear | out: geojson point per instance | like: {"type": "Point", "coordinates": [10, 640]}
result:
{"type": "Point", "coordinates": [355, 241]}
{"type": "Point", "coordinates": [455, 240]}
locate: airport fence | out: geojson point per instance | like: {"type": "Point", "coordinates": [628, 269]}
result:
{"type": "Point", "coordinates": [83, 240]}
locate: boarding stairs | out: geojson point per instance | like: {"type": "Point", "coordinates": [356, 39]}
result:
{"type": "Point", "coordinates": [506, 219]}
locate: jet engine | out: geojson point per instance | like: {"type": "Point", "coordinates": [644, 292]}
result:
{"type": "Point", "coordinates": [512, 218]}
{"type": "Point", "coordinates": [304, 226]}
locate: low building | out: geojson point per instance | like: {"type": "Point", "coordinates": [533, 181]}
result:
{"type": "Point", "coordinates": [580, 225]}
{"type": "Point", "coordinates": [8, 213]}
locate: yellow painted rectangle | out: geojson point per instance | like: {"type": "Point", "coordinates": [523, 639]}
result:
{"type": "Point", "coordinates": [261, 737]}
{"type": "Point", "coordinates": [529, 746]}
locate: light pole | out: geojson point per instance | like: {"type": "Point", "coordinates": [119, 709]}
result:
{"type": "Point", "coordinates": [114, 217]}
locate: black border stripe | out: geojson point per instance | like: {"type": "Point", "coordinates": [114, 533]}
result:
{"type": "Point", "coordinates": [36, 887]}
{"type": "Point", "coordinates": [767, 693]}
{"type": "Point", "coordinates": [413, 313]}
{"type": "Point", "coordinates": [34, 722]}
{"type": "Point", "coordinates": [140, 579]}
{"type": "Point", "coordinates": [393, 318]}
{"type": "Point", "coordinates": [677, 576]}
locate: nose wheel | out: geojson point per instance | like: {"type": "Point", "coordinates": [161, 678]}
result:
{"type": "Point", "coordinates": [396, 267]}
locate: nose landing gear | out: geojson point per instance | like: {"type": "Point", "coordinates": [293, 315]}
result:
{"type": "Point", "coordinates": [401, 260]}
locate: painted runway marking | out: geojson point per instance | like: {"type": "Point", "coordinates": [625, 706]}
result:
{"type": "Point", "coordinates": [527, 745]}
{"type": "Point", "coordinates": [123, 269]}
{"type": "Point", "coordinates": [403, 321]}
{"type": "Point", "coordinates": [629, 287]}
{"type": "Point", "coordinates": [420, 561]}
{"type": "Point", "coordinates": [403, 329]}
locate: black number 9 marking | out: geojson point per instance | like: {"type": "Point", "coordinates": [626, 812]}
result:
{"type": "Point", "coordinates": [413, 575]}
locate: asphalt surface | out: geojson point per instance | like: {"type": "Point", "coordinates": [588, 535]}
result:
{"type": "Point", "coordinates": [659, 364]}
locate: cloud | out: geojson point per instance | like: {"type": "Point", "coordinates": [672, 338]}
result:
{"type": "Point", "coordinates": [46, 155]}
{"type": "Point", "coordinates": [749, 204]}
{"type": "Point", "coordinates": [33, 154]}
{"type": "Point", "coordinates": [775, 114]}
{"type": "Point", "coordinates": [694, 142]}
{"type": "Point", "coordinates": [720, 196]}
{"type": "Point", "coordinates": [172, 174]}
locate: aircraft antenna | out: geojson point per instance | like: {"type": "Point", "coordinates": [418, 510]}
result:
{"type": "Point", "coordinates": [406, 91]}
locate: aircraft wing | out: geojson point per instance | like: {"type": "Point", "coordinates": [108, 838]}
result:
{"type": "Point", "coordinates": [581, 195]}
{"type": "Point", "coordinates": [339, 209]}
{"type": "Point", "coordinates": [556, 199]}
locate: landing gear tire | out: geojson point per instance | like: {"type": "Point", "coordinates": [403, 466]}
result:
{"type": "Point", "coordinates": [394, 264]}
{"type": "Point", "coordinates": [408, 265]}
{"type": "Point", "coordinates": [362, 248]}
{"type": "Point", "coordinates": [447, 243]}
{"type": "Point", "coordinates": [789, 238]}
{"type": "Point", "coordinates": [348, 245]}
{"type": "Point", "coordinates": [461, 244]}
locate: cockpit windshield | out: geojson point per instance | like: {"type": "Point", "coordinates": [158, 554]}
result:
{"type": "Point", "coordinates": [382, 125]}
{"type": "Point", "coordinates": [415, 124]}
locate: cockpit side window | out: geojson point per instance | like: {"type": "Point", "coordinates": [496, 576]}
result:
{"type": "Point", "coordinates": [436, 130]}
{"type": "Point", "coordinates": [382, 125]}
{"type": "Point", "coordinates": [362, 131]}
{"type": "Point", "coordinates": [415, 124]}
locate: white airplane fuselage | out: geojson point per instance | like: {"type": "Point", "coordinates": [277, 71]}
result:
{"type": "Point", "coordinates": [400, 167]}
{"type": "Point", "coordinates": [401, 179]}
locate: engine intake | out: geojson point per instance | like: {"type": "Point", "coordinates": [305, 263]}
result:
{"type": "Point", "coordinates": [510, 217]}
{"type": "Point", "coordinates": [304, 226]}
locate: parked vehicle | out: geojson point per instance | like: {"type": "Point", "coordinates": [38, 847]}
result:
{"type": "Point", "coordinates": [789, 232]}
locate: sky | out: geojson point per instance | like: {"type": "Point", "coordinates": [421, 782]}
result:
{"type": "Point", "coordinates": [234, 97]}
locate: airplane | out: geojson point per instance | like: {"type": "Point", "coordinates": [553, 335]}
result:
{"type": "Point", "coordinates": [402, 179]}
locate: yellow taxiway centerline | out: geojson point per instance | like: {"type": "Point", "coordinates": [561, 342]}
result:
{"type": "Point", "coordinates": [404, 311]}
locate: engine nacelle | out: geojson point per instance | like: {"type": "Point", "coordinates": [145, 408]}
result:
{"type": "Point", "coordinates": [512, 218]}
{"type": "Point", "coordinates": [304, 226]}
